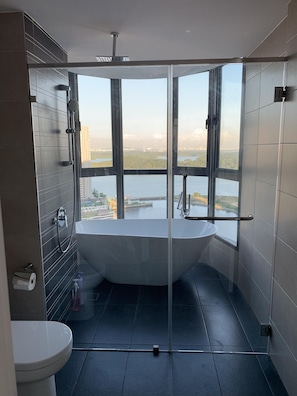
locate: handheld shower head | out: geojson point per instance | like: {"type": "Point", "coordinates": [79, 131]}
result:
{"type": "Point", "coordinates": [72, 105]}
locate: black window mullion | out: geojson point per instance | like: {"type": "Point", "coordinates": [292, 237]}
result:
{"type": "Point", "coordinates": [213, 125]}
{"type": "Point", "coordinates": [117, 143]}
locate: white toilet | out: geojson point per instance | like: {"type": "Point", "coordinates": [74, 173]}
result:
{"type": "Point", "coordinates": [40, 350]}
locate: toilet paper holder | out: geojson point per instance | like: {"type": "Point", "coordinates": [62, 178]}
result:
{"type": "Point", "coordinates": [24, 278]}
{"type": "Point", "coordinates": [29, 267]}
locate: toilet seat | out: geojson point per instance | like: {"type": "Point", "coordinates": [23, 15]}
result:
{"type": "Point", "coordinates": [39, 348]}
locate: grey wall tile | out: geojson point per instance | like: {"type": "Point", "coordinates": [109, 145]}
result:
{"type": "Point", "coordinates": [265, 201]}
{"type": "Point", "coordinates": [252, 94]}
{"type": "Point", "coordinates": [271, 77]}
{"type": "Point", "coordinates": [264, 238]}
{"type": "Point", "coordinates": [250, 128]}
{"type": "Point", "coordinates": [267, 162]}
{"type": "Point", "coordinates": [285, 271]}
{"type": "Point", "coordinates": [284, 361]}
{"type": "Point", "coordinates": [269, 124]}
{"type": "Point", "coordinates": [290, 120]}
{"type": "Point", "coordinates": [287, 225]}
{"type": "Point", "coordinates": [253, 294]}
{"type": "Point", "coordinates": [288, 169]}
{"type": "Point", "coordinates": [282, 317]}
{"type": "Point", "coordinates": [249, 160]}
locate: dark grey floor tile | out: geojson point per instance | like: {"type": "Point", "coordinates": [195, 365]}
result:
{"type": "Point", "coordinates": [252, 329]}
{"type": "Point", "coordinates": [151, 295]}
{"type": "Point", "coordinates": [151, 325]}
{"type": "Point", "coordinates": [102, 374]}
{"type": "Point", "coordinates": [103, 292]}
{"type": "Point", "coordinates": [212, 292]}
{"type": "Point", "coordinates": [84, 330]}
{"type": "Point", "coordinates": [184, 293]}
{"type": "Point", "coordinates": [206, 316]}
{"type": "Point", "coordinates": [124, 294]}
{"type": "Point", "coordinates": [272, 376]}
{"type": "Point", "coordinates": [203, 271]}
{"type": "Point", "coordinates": [148, 375]}
{"type": "Point", "coordinates": [188, 326]}
{"type": "Point", "coordinates": [241, 375]}
{"type": "Point", "coordinates": [194, 374]}
{"type": "Point", "coordinates": [66, 379]}
{"type": "Point", "coordinates": [116, 325]}
{"type": "Point", "coordinates": [223, 327]}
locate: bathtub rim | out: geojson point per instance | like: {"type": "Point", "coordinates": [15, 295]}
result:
{"type": "Point", "coordinates": [207, 228]}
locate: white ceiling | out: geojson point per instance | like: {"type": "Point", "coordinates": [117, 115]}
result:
{"type": "Point", "coordinates": [155, 29]}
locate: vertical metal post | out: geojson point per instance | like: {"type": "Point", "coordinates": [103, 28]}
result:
{"type": "Point", "coordinates": [117, 136]}
{"type": "Point", "coordinates": [169, 195]}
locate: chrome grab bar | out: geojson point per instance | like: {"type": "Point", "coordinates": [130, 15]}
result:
{"type": "Point", "coordinates": [224, 218]}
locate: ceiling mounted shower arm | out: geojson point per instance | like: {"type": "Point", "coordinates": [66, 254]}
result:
{"type": "Point", "coordinates": [114, 36]}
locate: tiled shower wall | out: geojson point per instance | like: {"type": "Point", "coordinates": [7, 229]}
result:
{"type": "Point", "coordinates": [268, 247]}
{"type": "Point", "coordinates": [55, 183]}
{"type": "Point", "coordinates": [33, 183]}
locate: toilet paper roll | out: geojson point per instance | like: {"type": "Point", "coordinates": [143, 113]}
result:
{"type": "Point", "coordinates": [24, 280]}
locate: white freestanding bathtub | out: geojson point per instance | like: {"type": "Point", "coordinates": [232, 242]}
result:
{"type": "Point", "coordinates": [133, 251]}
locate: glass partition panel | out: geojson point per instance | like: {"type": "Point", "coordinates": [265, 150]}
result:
{"type": "Point", "coordinates": [226, 204]}
{"type": "Point", "coordinates": [126, 163]}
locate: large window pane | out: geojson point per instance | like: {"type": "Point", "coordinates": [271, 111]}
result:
{"type": "Point", "coordinates": [144, 123]}
{"type": "Point", "coordinates": [192, 115]}
{"type": "Point", "coordinates": [230, 116]}
{"type": "Point", "coordinates": [98, 197]}
{"type": "Point", "coordinates": [226, 204]}
{"type": "Point", "coordinates": [145, 196]}
{"type": "Point", "coordinates": [95, 119]}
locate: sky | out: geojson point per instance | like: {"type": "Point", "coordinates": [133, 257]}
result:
{"type": "Point", "coordinates": [145, 110]}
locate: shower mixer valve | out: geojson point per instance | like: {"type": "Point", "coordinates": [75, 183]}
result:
{"type": "Point", "coordinates": [61, 218]}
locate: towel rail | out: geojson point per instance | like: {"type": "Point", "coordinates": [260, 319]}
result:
{"type": "Point", "coordinates": [224, 218]}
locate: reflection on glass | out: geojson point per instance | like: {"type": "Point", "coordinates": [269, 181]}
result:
{"type": "Point", "coordinates": [144, 104]}
{"type": "Point", "coordinates": [197, 188]}
{"type": "Point", "coordinates": [145, 196]}
{"type": "Point", "coordinates": [230, 116]}
{"type": "Point", "coordinates": [98, 197]}
{"type": "Point", "coordinates": [192, 114]}
{"type": "Point", "coordinates": [226, 204]}
{"type": "Point", "coordinates": [95, 119]}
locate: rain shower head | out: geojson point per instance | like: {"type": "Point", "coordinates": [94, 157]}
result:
{"type": "Point", "coordinates": [113, 57]}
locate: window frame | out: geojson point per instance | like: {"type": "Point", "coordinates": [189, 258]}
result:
{"type": "Point", "coordinates": [212, 170]}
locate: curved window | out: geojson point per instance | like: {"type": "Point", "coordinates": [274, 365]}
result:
{"type": "Point", "coordinates": [123, 143]}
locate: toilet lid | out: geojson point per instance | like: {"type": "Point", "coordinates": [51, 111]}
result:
{"type": "Point", "coordinates": [38, 344]}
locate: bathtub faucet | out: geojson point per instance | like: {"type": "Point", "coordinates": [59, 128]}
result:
{"type": "Point", "coordinates": [183, 205]}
